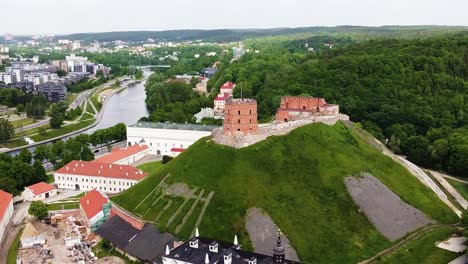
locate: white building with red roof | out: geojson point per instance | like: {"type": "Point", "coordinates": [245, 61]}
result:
{"type": "Point", "coordinates": [225, 91]}
{"type": "Point", "coordinates": [104, 177]}
{"type": "Point", "coordinates": [125, 156]}
{"type": "Point", "coordinates": [6, 211]}
{"type": "Point", "coordinates": [227, 87]}
{"type": "Point", "coordinates": [39, 191]}
{"type": "Point", "coordinates": [92, 206]}
{"type": "Point", "coordinates": [220, 102]}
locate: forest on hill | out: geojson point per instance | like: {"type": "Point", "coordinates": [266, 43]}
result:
{"type": "Point", "coordinates": [410, 93]}
{"type": "Point", "coordinates": [228, 35]}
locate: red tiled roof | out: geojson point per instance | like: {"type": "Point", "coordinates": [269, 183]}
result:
{"type": "Point", "coordinates": [136, 223]}
{"type": "Point", "coordinates": [177, 149]}
{"type": "Point", "coordinates": [224, 97]}
{"type": "Point", "coordinates": [121, 153]}
{"type": "Point", "coordinates": [86, 168]}
{"type": "Point", "coordinates": [40, 187]}
{"type": "Point", "coordinates": [227, 85]}
{"type": "Point", "coordinates": [5, 200]}
{"type": "Point", "coordinates": [92, 203]}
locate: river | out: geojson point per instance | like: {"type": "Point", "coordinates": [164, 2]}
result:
{"type": "Point", "coordinates": [127, 107]}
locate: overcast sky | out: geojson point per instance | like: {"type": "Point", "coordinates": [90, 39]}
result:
{"type": "Point", "coordinates": [73, 16]}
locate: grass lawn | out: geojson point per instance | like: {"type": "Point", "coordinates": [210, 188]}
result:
{"type": "Point", "coordinates": [89, 108]}
{"type": "Point", "coordinates": [13, 143]}
{"type": "Point", "coordinates": [33, 130]}
{"type": "Point", "coordinates": [423, 250]}
{"type": "Point", "coordinates": [462, 188]}
{"type": "Point", "coordinates": [104, 249]}
{"type": "Point", "coordinates": [13, 250]}
{"type": "Point", "coordinates": [96, 102]}
{"type": "Point", "coordinates": [22, 122]}
{"type": "Point", "coordinates": [50, 178]}
{"type": "Point", "coordinates": [299, 180]}
{"type": "Point", "coordinates": [151, 167]}
{"type": "Point", "coordinates": [62, 131]}
{"type": "Point", "coordinates": [63, 206]}
{"type": "Point", "coordinates": [71, 97]}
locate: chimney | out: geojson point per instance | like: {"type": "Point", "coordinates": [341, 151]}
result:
{"type": "Point", "coordinates": [197, 234]}
{"type": "Point", "coordinates": [168, 251]}
{"type": "Point", "coordinates": [126, 174]}
{"type": "Point", "coordinates": [67, 168]}
{"type": "Point", "coordinates": [110, 166]}
{"type": "Point", "coordinates": [99, 172]}
{"type": "Point", "coordinates": [214, 247]}
{"type": "Point", "coordinates": [194, 243]}
{"type": "Point", "coordinates": [228, 258]}
{"type": "Point", "coordinates": [207, 259]}
{"type": "Point", "coordinates": [82, 165]}
{"type": "Point", "coordinates": [87, 202]}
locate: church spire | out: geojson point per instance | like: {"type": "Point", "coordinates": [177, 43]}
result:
{"type": "Point", "coordinates": [278, 250]}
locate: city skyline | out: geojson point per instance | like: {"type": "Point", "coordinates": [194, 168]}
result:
{"type": "Point", "coordinates": [60, 17]}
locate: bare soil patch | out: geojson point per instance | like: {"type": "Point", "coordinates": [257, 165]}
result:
{"type": "Point", "coordinates": [180, 189]}
{"type": "Point", "coordinates": [262, 232]}
{"type": "Point", "coordinates": [390, 215]}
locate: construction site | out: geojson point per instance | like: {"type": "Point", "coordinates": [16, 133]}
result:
{"type": "Point", "coordinates": [62, 238]}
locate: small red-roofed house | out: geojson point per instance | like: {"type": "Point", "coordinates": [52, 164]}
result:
{"type": "Point", "coordinates": [6, 211]}
{"type": "Point", "coordinates": [126, 155]}
{"type": "Point", "coordinates": [227, 87]}
{"type": "Point", "coordinates": [104, 177]}
{"type": "Point", "coordinates": [39, 191]}
{"type": "Point", "coordinates": [92, 206]}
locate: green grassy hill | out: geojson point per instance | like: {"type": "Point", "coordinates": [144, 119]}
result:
{"type": "Point", "coordinates": [297, 179]}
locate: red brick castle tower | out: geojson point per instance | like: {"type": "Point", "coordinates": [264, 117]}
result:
{"type": "Point", "coordinates": [240, 116]}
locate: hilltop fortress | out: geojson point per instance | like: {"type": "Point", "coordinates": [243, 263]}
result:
{"type": "Point", "coordinates": [241, 129]}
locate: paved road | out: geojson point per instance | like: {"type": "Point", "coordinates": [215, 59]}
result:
{"type": "Point", "coordinates": [42, 122]}
{"type": "Point", "coordinates": [449, 188]}
{"type": "Point", "coordinates": [64, 194]}
{"type": "Point", "coordinates": [20, 213]}
{"type": "Point", "coordinates": [453, 178]}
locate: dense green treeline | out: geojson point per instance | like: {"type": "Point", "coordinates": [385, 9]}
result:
{"type": "Point", "coordinates": [412, 92]}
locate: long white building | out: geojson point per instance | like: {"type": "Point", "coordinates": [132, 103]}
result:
{"type": "Point", "coordinates": [104, 177]}
{"type": "Point", "coordinates": [6, 211]}
{"type": "Point", "coordinates": [165, 138]}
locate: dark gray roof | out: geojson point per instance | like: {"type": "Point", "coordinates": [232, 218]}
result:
{"type": "Point", "coordinates": [149, 243]}
{"type": "Point", "coordinates": [196, 127]}
{"type": "Point", "coordinates": [117, 231]}
{"type": "Point", "coordinates": [198, 255]}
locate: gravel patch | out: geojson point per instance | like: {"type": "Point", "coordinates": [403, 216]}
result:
{"type": "Point", "coordinates": [110, 260]}
{"type": "Point", "coordinates": [181, 189]}
{"type": "Point", "coordinates": [262, 232]}
{"type": "Point", "coordinates": [390, 215]}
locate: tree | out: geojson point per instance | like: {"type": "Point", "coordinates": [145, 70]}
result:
{"type": "Point", "coordinates": [36, 108]}
{"type": "Point", "coordinates": [57, 115]}
{"type": "Point", "coordinates": [61, 73]}
{"type": "Point", "coordinates": [416, 149]}
{"type": "Point", "coordinates": [458, 161]}
{"type": "Point", "coordinates": [40, 153]}
{"type": "Point", "coordinates": [25, 156]}
{"type": "Point", "coordinates": [6, 130]}
{"type": "Point", "coordinates": [38, 209]}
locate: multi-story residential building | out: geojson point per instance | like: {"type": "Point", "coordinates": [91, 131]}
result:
{"type": "Point", "coordinates": [164, 138]}
{"type": "Point", "coordinates": [104, 177]}
{"type": "Point", "coordinates": [6, 211]}
{"type": "Point", "coordinates": [54, 92]}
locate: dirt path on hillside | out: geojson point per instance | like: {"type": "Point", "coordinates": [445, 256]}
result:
{"type": "Point", "coordinates": [262, 232]}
